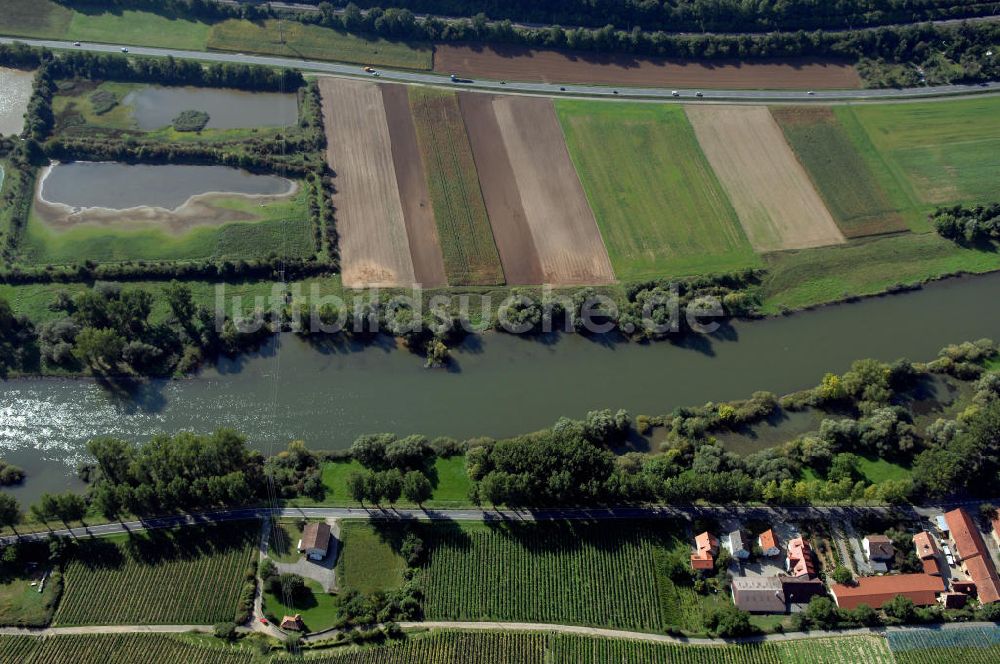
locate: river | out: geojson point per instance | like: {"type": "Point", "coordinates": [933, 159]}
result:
{"type": "Point", "coordinates": [499, 384]}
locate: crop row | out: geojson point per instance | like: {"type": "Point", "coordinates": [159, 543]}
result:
{"type": "Point", "coordinates": [186, 582]}
{"type": "Point", "coordinates": [115, 649]}
{"type": "Point", "coordinates": [584, 575]}
{"type": "Point", "coordinates": [448, 648]}
{"type": "Point", "coordinates": [944, 638]}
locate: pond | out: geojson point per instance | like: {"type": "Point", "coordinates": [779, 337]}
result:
{"type": "Point", "coordinates": [500, 385]}
{"type": "Point", "coordinates": [155, 107]}
{"type": "Point", "coordinates": [15, 91]}
{"type": "Point", "coordinates": [117, 186]}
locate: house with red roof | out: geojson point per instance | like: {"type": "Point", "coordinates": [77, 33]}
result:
{"type": "Point", "coordinates": [768, 543]}
{"type": "Point", "coordinates": [922, 589]}
{"type": "Point", "coordinates": [972, 555]}
{"type": "Point", "coordinates": [799, 561]}
{"type": "Point", "coordinates": [706, 546]}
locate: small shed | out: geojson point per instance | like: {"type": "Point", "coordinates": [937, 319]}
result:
{"type": "Point", "coordinates": [293, 623]}
{"type": "Point", "coordinates": [315, 540]}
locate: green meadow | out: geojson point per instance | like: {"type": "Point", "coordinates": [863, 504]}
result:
{"type": "Point", "coordinates": [282, 227]}
{"type": "Point", "coordinates": [659, 205]}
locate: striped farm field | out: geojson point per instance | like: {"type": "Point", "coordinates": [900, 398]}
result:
{"type": "Point", "coordinates": [470, 253]}
{"type": "Point", "coordinates": [659, 205]}
{"type": "Point", "coordinates": [446, 648]}
{"type": "Point", "coordinates": [605, 575]}
{"type": "Point", "coordinates": [118, 649]}
{"type": "Point", "coordinates": [930, 154]}
{"type": "Point", "coordinates": [842, 177]}
{"type": "Point", "coordinates": [970, 645]}
{"type": "Point", "coordinates": [567, 649]}
{"type": "Point", "coordinates": [190, 576]}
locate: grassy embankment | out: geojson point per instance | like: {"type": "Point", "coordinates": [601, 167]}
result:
{"type": "Point", "coordinates": [470, 254]}
{"type": "Point", "coordinates": [659, 205]}
{"type": "Point", "coordinates": [281, 226]}
{"type": "Point", "coordinates": [46, 19]}
{"type": "Point", "coordinates": [192, 576]}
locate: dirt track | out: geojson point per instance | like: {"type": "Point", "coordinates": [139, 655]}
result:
{"type": "Point", "coordinates": [773, 196]}
{"type": "Point", "coordinates": [519, 63]}
{"type": "Point", "coordinates": [511, 232]}
{"type": "Point", "coordinates": [418, 213]}
{"type": "Point", "coordinates": [374, 247]}
{"type": "Point", "coordinates": [562, 224]}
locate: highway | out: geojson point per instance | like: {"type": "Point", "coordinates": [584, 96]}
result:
{"type": "Point", "coordinates": [539, 89]}
{"type": "Point", "coordinates": [767, 512]}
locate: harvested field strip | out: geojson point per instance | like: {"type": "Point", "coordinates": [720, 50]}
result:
{"type": "Point", "coordinates": [938, 153]}
{"type": "Point", "coordinates": [374, 246]}
{"type": "Point", "coordinates": [511, 232]}
{"type": "Point", "coordinates": [470, 255]}
{"type": "Point", "coordinates": [192, 576]}
{"type": "Point", "coordinates": [843, 178]}
{"type": "Point", "coordinates": [519, 63]}
{"type": "Point", "coordinates": [773, 197]}
{"type": "Point", "coordinates": [446, 648]}
{"type": "Point", "coordinates": [118, 649]}
{"type": "Point", "coordinates": [569, 649]}
{"type": "Point", "coordinates": [418, 213]}
{"type": "Point", "coordinates": [660, 208]}
{"type": "Point", "coordinates": [603, 575]}
{"type": "Point", "coordinates": [562, 225]}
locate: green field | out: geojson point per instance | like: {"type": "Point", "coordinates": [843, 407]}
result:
{"type": "Point", "coordinates": [283, 227]}
{"type": "Point", "coordinates": [369, 561]}
{"type": "Point", "coordinates": [470, 254]}
{"type": "Point", "coordinates": [20, 602]}
{"type": "Point", "coordinates": [298, 40]}
{"type": "Point", "coordinates": [935, 153]}
{"type": "Point", "coordinates": [190, 576]}
{"type": "Point", "coordinates": [841, 176]}
{"type": "Point", "coordinates": [659, 205]}
{"type": "Point", "coordinates": [46, 19]}
{"type": "Point", "coordinates": [605, 575]}
{"type": "Point", "coordinates": [809, 277]}
{"type": "Point", "coordinates": [318, 608]}
{"type": "Point", "coordinates": [119, 649]}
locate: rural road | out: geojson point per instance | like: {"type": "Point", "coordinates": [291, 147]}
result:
{"type": "Point", "coordinates": [774, 513]}
{"type": "Point", "coordinates": [543, 89]}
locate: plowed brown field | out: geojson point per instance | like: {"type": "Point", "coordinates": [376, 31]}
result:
{"type": "Point", "coordinates": [773, 196]}
{"type": "Point", "coordinates": [374, 247]}
{"type": "Point", "coordinates": [562, 224]}
{"type": "Point", "coordinates": [519, 63]}
{"type": "Point", "coordinates": [418, 212]}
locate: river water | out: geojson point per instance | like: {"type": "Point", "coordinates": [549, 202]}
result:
{"type": "Point", "coordinates": [499, 385]}
{"type": "Point", "coordinates": [154, 107]}
{"type": "Point", "coordinates": [15, 91]}
{"type": "Point", "coordinates": [117, 186]}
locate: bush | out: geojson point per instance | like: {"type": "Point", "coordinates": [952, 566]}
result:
{"type": "Point", "coordinates": [191, 121]}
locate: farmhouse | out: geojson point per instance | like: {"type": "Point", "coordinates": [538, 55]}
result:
{"type": "Point", "coordinates": [768, 543]}
{"type": "Point", "coordinates": [706, 546]}
{"type": "Point", "coordinates": [800, 560]}
{"type": "Point", "coordinates": [973, 556]}
{"type": "Point", "coordinates": [758, 594]}
{"type": "Point", "coordinates": [879, 547]}
{"type": "Point", "coordinates": [738, 546]}
{"type": "Point", "coordinates": [875, 591]}
{"type": "Point", "coordinates": [315, 540]}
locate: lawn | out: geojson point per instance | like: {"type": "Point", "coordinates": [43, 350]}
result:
{"type": "Point", "coordinates": [448, 478]}
{"type": "Point", "coordinates": [470, 254]}
{"type": "Point", "coordinates": [191, 575]}
{"type": "Point", "coordinates": [283, 538]}
{"type": "Point", "coordinates": [298, 40]}
{"type": "Point", "coordinates": [34, 18]}
{"type": "Point", "coordinates": [808, 277]}
{"type": "Point", "coordinates": [282, 226]}
{"type": "Point", "coordinates": [841, 176]}
{"type": "Point", "coordinates": [137, 28]}
{"type": "Point", "coordinates": [936, 153]}
{"type": "Point", "coordinates": [606, 575]}
{"type": "Point", "coordinates": [20, 602]}
{"type": "Point", "coordinates": [319, 609]}
{"type": "Point", "coordinates": [877, 470]}
{"type": "Point", "coordinates": [369, 560]}
{"type": "Point", "coordinates": [658, 203]}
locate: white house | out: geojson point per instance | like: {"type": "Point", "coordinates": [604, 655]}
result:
{"type": "Point", "coordinates": [315, 540]}
{"type": "Point", "coordinates": [737, 545]}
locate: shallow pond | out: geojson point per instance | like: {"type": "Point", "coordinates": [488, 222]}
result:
{"type": "Point", "coordinates": [154, 107]}
{"type": "Point", "coordinates": [15, 91]}
{"type": "Point", "coordinates": [117, 186]}
{"type": "Point", "coordinates": [500, 385]}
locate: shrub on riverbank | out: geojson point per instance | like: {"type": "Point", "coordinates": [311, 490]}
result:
{"type": "Point", "coordinates": [190, 121]}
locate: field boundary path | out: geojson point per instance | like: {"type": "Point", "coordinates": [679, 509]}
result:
{"type": "Point", "coordinates": [774, 512]}
{"type": "Point", "coordinates": [515, 87]}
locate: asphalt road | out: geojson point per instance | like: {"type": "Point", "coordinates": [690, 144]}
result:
{"type": "Point", "coordinates": [544, 89]}
{"type": "Point", "coordinates": [548, 514]}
